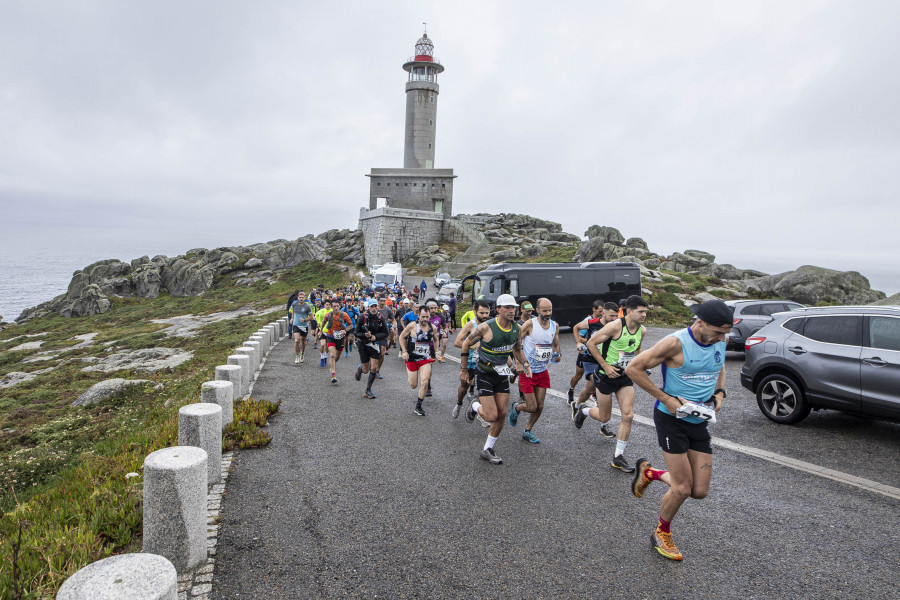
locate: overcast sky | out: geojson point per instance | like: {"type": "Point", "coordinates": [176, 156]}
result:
{"type": "Point", "coordinates": [766, 133]}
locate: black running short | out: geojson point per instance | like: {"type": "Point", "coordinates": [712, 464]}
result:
{"type": "Point", "coordinates": [301, 331]}
{"type": "Point", "coordinates": [491, 384]}
{"type": "Point", "coordinates": [366, 353]}
{"type": "Point", "coordinates": [676, 436]}
{"type": "Point", "coordinates": [471, 373]}
{"type": "Point", "coordinates": [579, 360]}
{"type": "Point", "coordinates": [607, 385]}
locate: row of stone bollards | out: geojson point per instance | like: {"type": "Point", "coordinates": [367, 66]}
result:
{"type": "Point", "coordinates": [177, 484]}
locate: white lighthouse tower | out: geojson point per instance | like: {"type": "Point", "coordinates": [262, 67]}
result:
{"type": "Point", "coordinates": [422, 91]}
{"type": "Point", "coordinates": [412, 207]}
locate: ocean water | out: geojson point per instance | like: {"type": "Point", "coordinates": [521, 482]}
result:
{"type": "Point", "coordinates": [37, 265]}
{"type": "Point", "coordinates": [32, 275]}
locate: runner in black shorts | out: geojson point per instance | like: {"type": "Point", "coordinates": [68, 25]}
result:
{"type": "Point", "coordinates": [371, 331]}
{"type": "Point", "coordinates": [694, 360]}
{"type": "Point", "coordinates": [482, 311]}
{"type": "Point", "coordinates": [498, 339]}
{"type": "Point", "coordinates": [612, 348]}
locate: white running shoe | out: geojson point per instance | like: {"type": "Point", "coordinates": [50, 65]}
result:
{"type": "Point", "coordinates": [590, 403]}
{"type": "Point", "coordinates": [483, 422]}
{"type": "Point", "coordinates": [301, 357]}
{"type": "Point", "coordinates": [297, 360]}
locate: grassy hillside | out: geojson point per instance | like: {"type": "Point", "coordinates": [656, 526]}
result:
{"type": "Point", "coordinates": [64, 494]}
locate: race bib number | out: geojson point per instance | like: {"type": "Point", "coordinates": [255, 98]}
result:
{"type": "Point", "coordinates": [422, 349]}
{"type": "Point", "coordinates": [338, 334]}
{"type": "Point", "coordinates": [701, 411]}
{"type": "Point", "coordinates": [625, 359]}
{"type": "Point", "coordinates": [543, 352]}
{"type": "Point", "coordinates": [503, 370]}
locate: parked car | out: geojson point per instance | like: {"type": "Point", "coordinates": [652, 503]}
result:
{"type": "Point", "coordinates": [444, 294]}
{"type": "Point", "coordinates": [750, 316]}
{"type": "Point", "coordinates": [838, 357]}
{"type": "Point", "coordinates": [441, 279]}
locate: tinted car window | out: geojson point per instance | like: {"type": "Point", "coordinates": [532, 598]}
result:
{"type": "Point", "coordinates": [884, 333]}
{"type": "Point", "coordinates": [844, 329]}
{"type": "Point", "coordinates": [753, 309]}
{"type": "Point", "coordinates": [795, 324]}
{"type": "Point", "coordinates": [792, 306]}
{"type": "Point", "coordinates": [770, 309]}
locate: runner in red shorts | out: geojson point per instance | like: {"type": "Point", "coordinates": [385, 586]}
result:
{"type": "Point", "coordinates": [540, 344]}
{"type": "Point", "coordinates": [417, 341]}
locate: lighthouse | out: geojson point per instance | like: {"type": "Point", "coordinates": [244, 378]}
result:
{"type": "Point", "coordinates": [421, 105]}
{"type": "Point", "coordinates": [411, 208]}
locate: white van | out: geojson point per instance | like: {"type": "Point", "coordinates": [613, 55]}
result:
{"type": "Point", "coordinates": [388, 275]}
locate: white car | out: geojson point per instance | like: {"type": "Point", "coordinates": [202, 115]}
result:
{"type": "Point", "coordinates": [441, 279]}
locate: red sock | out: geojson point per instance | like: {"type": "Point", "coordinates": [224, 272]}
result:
{"type": "Point", "coordinates": [654, 474]}
{"type": "Point", "coordinates": [664, 525]}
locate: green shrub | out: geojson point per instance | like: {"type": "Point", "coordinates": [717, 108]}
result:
{"type": "Point", "coordinates": [673, 288]}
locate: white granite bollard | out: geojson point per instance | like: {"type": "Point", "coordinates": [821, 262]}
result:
{"type": "Point", "coordinates": [273, 332]}
{"type": "Point", "coordinates": [230, 373]}
{"type": "Point", "coordinates": [276, 326]}
{"type": "Point", "coordinates": [264, 338]}
{"type": "Point", "coordinates": [243, 361]}
{"type": "Point", "coordinates": [261, 340]}
{"type": "Point", "coordinates": [221, 393]}
{"type": "Point", "coordinates": [200, 425]}
{"type": "Point", "coordinates": [123, 577]}
{"type": "Point", "coordinates": [175, 505]}
{"type": "Point", "coordinates": [257, 349]}
{"type": "Point", "coordinates": [279, 328]}
{"type": "Point", "coordinates": [270, 335]}
{"type": "Point", "coordinates": [251, 354]}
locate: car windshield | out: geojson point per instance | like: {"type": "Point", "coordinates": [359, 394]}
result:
{"type": "Point", "coordinates": [481, 286]}
{"type": "Point", "coordinates": [384, 278]}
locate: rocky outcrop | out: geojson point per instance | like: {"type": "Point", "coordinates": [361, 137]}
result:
{"type": "Point", "coordinates": [107, 389]}
{"type": "Point", "coordinates": [430, 257]}
{"type": "Point", "coordinates": [810, 285]}
{"type": "Point", "coordinates": [193, 273]}
{"type": "Point", "coordinates": [145, 359]}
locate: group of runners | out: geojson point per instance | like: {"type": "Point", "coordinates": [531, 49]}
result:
{"type": "Point", "coordinates": [498, 351]}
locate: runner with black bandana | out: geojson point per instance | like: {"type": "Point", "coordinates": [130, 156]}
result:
{"type": "Point", "coordinates": [693, 362]}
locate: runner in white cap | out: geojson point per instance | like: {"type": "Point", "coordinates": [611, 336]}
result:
{"type": "Point", "coordinates": [498, 338]}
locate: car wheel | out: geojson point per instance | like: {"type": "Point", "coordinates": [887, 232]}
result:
{"type": "Point", "coordinates": [780, 398]}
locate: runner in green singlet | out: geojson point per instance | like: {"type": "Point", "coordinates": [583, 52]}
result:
{"type": "Point", "coordinates": [620, 341]}
{"type": "Point", "coordinates": [497, 339]}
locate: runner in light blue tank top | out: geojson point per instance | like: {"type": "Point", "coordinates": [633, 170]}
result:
{"type": "Point", "coordinates": [693, 365]}
{"type": "Point", "coordinates": [696, 379]}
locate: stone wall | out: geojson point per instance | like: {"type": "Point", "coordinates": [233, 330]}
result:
{"type": "Point", "coordinates": [394, 235]}
{"type": "Point", "coordinates": [412, 189]}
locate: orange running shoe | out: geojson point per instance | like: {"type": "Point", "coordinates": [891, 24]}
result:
{"type": "Point", "coordinates": [663, 544]}
{"type": "Point", "coordinates": [640, 481]}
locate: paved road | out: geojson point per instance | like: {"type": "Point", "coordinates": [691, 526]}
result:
{"type": "Point", "coordinates": [361, 498]}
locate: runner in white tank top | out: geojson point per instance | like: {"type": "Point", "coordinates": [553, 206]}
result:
{"type": "Point", "coordinates": [540, 344]}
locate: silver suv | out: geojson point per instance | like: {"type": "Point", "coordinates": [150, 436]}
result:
{"type": "Point", "coordinates": [839, 357]}
{"type": "Point", "coordinates": [750, 316]}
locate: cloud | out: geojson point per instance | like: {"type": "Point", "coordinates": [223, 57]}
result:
{"type": "Point", "coordinates": [757, 131]}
